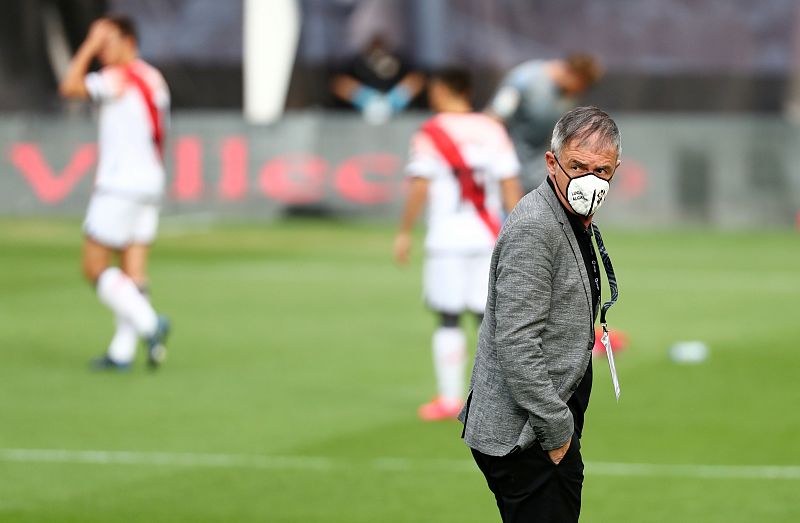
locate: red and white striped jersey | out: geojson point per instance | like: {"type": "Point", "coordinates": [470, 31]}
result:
{"type": "Point", "coordinates": [134, 105]}
{"type": "Point", "coordinates": [484, 144]}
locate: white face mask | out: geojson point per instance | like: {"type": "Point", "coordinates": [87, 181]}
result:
{"type": "Point", "coordinates": [585, 193]}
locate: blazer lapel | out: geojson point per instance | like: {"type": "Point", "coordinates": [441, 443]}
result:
{"type": "Point", "coordinates": [561, 215]}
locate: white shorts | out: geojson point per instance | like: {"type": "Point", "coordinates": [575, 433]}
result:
{"type": "Point", "coordinates": [454, 283]}
{"type": "Point", "coordinates": [116, 221]}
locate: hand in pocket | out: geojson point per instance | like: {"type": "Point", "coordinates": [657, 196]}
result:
{"type": "Point", "coordinates": [556, 455]}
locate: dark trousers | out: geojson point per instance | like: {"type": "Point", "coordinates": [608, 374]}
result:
{"type": "Point", "coordinates": [530, 488]}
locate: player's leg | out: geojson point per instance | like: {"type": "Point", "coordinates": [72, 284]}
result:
{"type": "Point", "coordinates": [96, 259]}
{"type": "Point", "coordinates": [134, 262]}
{"type": "Point", "coordinates": [120, 294]}
{"type": "Point", "coordinates": [449, 357]}
{"type": "Point", "coordinates": [122, 348]}
{"type": "Point", "coordinates": [98, 251]}
{"type": "Point", "coordinates": [443, 284]}
{"type": "Point", "coordinates": [108, 228]}
{"type": "Point", "coordinates": [477, 283]}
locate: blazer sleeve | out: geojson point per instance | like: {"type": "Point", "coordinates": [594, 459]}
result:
{"type": "Point", "coordinates": [523, 285]}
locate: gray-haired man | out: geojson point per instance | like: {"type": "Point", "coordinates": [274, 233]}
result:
{"type": "Point", "coordinates": [533, 376]}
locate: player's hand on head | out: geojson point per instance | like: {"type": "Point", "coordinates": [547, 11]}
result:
{"type": "Point", "coordinates": [402, 248]}
{"type": "Point", "coordinates": [98, 32]}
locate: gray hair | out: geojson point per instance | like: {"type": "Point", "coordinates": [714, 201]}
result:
{"type": "Point", "coordinates": [583, 124]}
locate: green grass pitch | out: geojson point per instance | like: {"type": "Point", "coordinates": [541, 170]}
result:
{"type": "Point", "coordinates": [300, 354]}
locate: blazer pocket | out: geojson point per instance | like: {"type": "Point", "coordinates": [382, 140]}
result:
{"type": "Point", "coordinates": [574, 448]}
{"type": "Point", "coordinates": [557, 380]}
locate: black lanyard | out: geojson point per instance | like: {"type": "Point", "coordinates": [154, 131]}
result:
{"type": "Point", "coordinates": [612, 280]}
{"type": "Point", "coordinates": [595, 275]}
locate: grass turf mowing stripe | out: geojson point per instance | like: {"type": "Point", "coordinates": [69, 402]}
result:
{"type": "Point", "coordinates": [254, 461]}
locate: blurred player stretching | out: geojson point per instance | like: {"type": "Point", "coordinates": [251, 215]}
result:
{"type": "Point", "coordinates": [530, 100]}
{"type": "Point", "coordinates": [123, 213]}
{"type": "Point", "coordinates": [463, 164]}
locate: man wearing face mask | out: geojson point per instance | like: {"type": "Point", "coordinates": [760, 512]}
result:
{"type": "Point", "coordinates": [533, 372]}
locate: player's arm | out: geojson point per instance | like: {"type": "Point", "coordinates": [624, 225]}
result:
{"type": "Point", "coordinates": [414, 82]}
{"type": "Point", "coordinates": [506, 169]}
{"type": "Point", "coordinates": [504, 103]}
{"type": "Point", "coordinates": [405, 91]}
{"type": "Point", "coordinates": [345, 87]}
{"type": "Point", "coordinates": [351, 90]}
{"type": "Point", "coordinates": [511, 192]}
{"type": "Point", "coordinates": [417, 196]}
{"type": "Point", "coordinates": [73, 85]}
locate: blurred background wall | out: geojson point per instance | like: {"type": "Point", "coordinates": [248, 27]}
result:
{"type": "Point", "coordinates": [715, 55]}
{"type": "Point", "coordinates": [705, 93]}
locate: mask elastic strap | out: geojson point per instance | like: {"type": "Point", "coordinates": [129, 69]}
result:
{"type": "Point", "coordinates": [565, 172]}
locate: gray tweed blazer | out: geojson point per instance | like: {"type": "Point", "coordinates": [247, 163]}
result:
{"type": "Point", "coordinates": [537, 334]}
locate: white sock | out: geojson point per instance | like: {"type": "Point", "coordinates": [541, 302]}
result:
{"type": "Point", "coordinates": [449, 361]}
{"type": "Point", "coordinates": [119, 293]}
{"type": "Point", "coordinates": [123, 345]}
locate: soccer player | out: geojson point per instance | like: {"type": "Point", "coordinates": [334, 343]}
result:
{"type": "Point", "coordinates": [462, 163]}
{"type": "Point", "coordinates": [530, 100]}
{"type": "Point", "coordinates": [122, 218]}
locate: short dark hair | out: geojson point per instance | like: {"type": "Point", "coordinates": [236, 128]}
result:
{"type": "Point", "coordinates": [586, 66]}
{"type": "Point", "coordinates": [456, 79]}
{"type": "Point", "coordinates": [582, 124]}
{"type": "Point", "coordinates": [125, 24]}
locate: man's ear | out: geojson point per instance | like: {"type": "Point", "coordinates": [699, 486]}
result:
{"type": "Point", "coordinates": [550, 162]}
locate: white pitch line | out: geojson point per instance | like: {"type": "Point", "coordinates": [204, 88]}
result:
{"type": "Point", "coordinates": [694, 471]}
{"type": "Point", "coordinates": [322, 464]}
{"type": "Point", "coordinates": [124, 457]}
